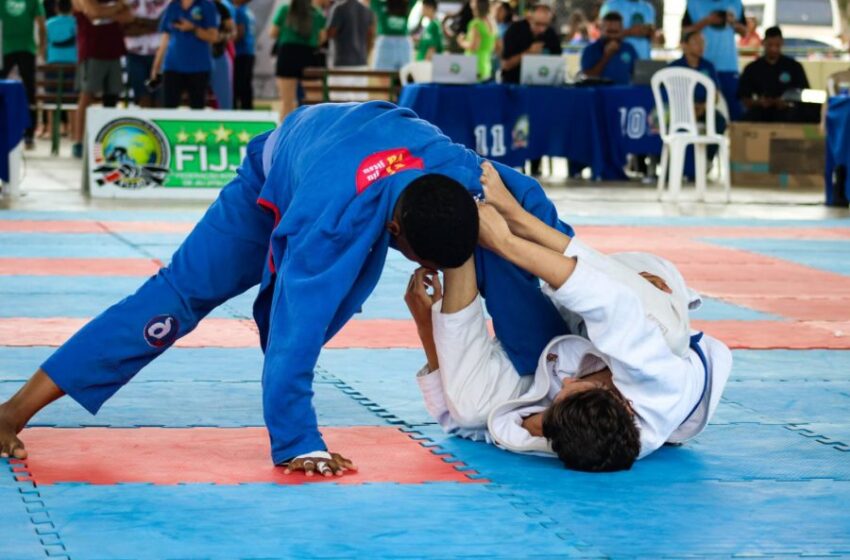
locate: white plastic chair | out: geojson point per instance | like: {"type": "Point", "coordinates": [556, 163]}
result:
{"type": "Point", "coordinates": [419, 72]}
{"type": "Point", "coordinates": [680, 129]}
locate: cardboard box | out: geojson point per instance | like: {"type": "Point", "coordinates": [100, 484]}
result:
{"type": "Point", "coordinates": [788, 156]}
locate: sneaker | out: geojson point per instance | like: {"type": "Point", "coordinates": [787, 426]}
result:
{"type": "Point", "coordinates": [77, 150]}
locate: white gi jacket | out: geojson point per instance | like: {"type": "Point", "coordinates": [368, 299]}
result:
{"type": "Point", "coordinates": [478, 394]}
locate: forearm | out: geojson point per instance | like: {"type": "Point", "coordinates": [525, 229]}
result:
{"type": "Point", "coordinates": [210, 35]}
{"type": "Point", "coordinates": [37, 393]}
{"type": "Point", "coordinates": [461, 287]}
{"type": "Point", "coordinates": [529, 227]}
{"type": "Point", "coordinates": [551, 266]}
{"type": "Point", "coordinates": [597, 69]}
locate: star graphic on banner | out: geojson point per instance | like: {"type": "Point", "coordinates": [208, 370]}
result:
{"type": "Point", "coordinates": [200, 136]}
{"type": "Point", "coordinates": [244, 137]}
{"type": "Point", "coordinates": [182, 136]}
{"type": "Point", "coordinates": [222, 134]}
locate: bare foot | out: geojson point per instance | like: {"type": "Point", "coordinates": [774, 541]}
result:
{"type": "Point", "coordinates": [10, 444]}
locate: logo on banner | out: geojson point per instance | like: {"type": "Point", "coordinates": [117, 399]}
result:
{"type": "Point", "coordinates": [130, 153]}
{"type": "Point", "coordinates": [520, 133]}
{"type": "Point", "coordinates": [543, 71]}
{"type": "Point", "coordinates": [454, 68]}
{"type": "Point", "coordinates": [161, 331]}
{"type": "Point", "coordinates": [383, 164]}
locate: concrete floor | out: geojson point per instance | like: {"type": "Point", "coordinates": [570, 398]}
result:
{"type": "Point", "coordinates": [54, 183]}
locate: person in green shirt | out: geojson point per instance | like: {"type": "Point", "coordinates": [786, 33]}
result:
{"type": "Point", "coordinates": [393, 47]}
{"type": "Point", "coordinates": [480, 39]}
{"type": "Point", "coordinates": [19, 19]}
{"type": "Point", "coordinates": [431, 39]}
{"type": "Point", "coordinates": [298, 29]}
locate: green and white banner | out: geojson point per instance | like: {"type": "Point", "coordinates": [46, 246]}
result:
{"type": "Point", "coordinates": [164, 153]}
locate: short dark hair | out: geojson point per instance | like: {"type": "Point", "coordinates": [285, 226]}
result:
{"type": "Point", "coordinates": [688, 34]}
{"type": "Point", "coordinates": [430, 3]}
{"type": "Point", "coordinates": [439, 218]}
{"type": "Point", "coordinates": [63, 6]}
{"type": "Point", "coordinates": [592, 431]}
{"type": "Point", "coordinates": [613, 16]}
{"type": "Point", "coordinates": [772, 32]}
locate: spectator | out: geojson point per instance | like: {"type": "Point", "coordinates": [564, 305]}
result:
{"type": "Point", "coordinates": [504, 18]}
{"type": "Point", "coordinates": [61, 49]}
{"type": "Point", "coordinates": [351, 33]}
{"type": "Point", "coordinates": [221, 74]}
{"type": "Point", "coordinates": [393, 48]}
{"type": "Point", "coordinates": [577, 32]}
{"type": "Point", "coordinates": [693, 48]}
{"type": "Point", "coordinates": [142, 40]}
{"type": "Point", "coordinates": [768, 77]}
{"type": "Point", "coordinates": [298, 29]}
{"type": "Point", "coordinates": [480, 39]}
{"type": "Point", "coordinates": [638, 23]}
{"type": "Point", "coordinates": [243, 62]}
{"type": "Point", "coordinates": [719, 21]}
{"type": "Point", "coordinates": [19, 19]}
{"type": "Point", "coordinates": [610, 57]}
{"type": "Point", "coordinates": [751, 39]}
{"type": "Point", "coordinates": [188, 29]}
{"type": "Point", "coordinates": [100, 46]}
{"type": "Point", "coordinates": [532, 35]}
{"type": "Point", "coordinates": [431, 38]}
{"type": "Point", "coordinates": [456, 24]}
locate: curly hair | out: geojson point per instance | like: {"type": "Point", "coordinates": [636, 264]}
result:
{"type": "Point", "coordinates": [592, 431]}
{"type": "Point", "coordinates": [439, 218]}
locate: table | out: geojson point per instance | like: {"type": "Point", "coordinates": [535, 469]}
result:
{"type": "Point", "coordinates": [597, 127]}
{"type": "Point", "coordinates": [14, 119]}
{"type": "Point", "coordinates": [837, 150]}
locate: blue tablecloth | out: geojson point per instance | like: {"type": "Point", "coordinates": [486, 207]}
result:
{"type": "Point", "coordinates": [14, 119]}
{"type": "Point", "coordinates": [597, 127]}
{"type": "Point", "coordinates": [837, 148]}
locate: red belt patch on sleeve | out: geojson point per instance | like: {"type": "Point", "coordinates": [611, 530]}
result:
{"type": "Point", "coordinates": [383, 164]}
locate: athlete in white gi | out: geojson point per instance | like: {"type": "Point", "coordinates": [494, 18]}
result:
{"type": "Point", "coordinates": [632, 307]}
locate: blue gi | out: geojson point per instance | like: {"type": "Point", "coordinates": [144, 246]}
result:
{"type": "Point", "coordinates": [306, 218]}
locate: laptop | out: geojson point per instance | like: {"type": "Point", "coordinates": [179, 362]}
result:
{"type": "Point", "coordinates": [454, 69]}
{"type": "Point", "coordinates": [542, 70]}
{"type": "Point", "coordinates": [645, 69]}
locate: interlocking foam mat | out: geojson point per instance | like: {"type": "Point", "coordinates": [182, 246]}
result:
{"type": "Point", "coordinates": [177, 464]}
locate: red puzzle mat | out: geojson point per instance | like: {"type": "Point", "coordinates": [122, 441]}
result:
{"type": "Point", "coordinates": [220, 456]}
{"type": "Point", "coordinates": [78, 267]}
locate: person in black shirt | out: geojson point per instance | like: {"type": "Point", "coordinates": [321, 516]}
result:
{"type": "Point", "coordinates": [765, 80]}
{"type": "Point", "coordinates": [532, 35]}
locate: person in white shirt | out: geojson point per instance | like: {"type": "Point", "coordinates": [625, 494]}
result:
{"type": "Point", "coordinates": [598, 401]}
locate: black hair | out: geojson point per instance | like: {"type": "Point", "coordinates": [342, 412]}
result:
{"type": "Point", "coordinates": [687, 35]}
{"type": "Point", "coordinates": [613, 16]}
{"type": "Point", "coordinates": [772, 32]}
{"type": "Point", "coordinates": [439, 218]}
{"type": "Point", "coordinates": [430, 3]}
{"type": "Point", "coordinates": [482, 7]}
{"type": "Point", "coordinates": [509, 11]}
{"type": "Point", "coordinates": [300, 17]}
{"type": "Point", "coordinates": [397, 8]}
{"type": "Point", "coordinates": [592, 431]}
{"type": "Point", "coordinates": [63, 6]}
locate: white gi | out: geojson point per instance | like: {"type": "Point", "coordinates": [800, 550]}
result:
{"type": "Point", "coordinates": [639, 332]}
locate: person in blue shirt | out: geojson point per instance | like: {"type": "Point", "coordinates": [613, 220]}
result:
{"type": "Point", "coordinates": [610, 57]}
{"type": "Point", "coordinates": [62, 35]}
{"type": "Point", "coordinates": [309, 216]}
{"type": "Point", "coordinates": [243, 63]}
{"type": "Point", "coordinates": [638, 23]}
{"type": "Point", "coordinates": [719, 21]}
{"type": "Point", "coordinates": [188, 29]}
{"type": "Point", "coordinates": [693, 47]}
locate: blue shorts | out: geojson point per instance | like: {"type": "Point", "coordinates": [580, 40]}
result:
{"type": "Point", "coordinates": [138, 71]}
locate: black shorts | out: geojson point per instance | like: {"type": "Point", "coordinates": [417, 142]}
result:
{"type": "Point", "coordinates": [293, 59]}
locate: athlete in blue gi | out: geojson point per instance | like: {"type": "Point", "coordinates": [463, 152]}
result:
{"type": "Point", "coordinates": [309, 216]}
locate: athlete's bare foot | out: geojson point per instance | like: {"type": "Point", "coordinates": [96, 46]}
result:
{"type": "Point", "coordinates": [10, 444]}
